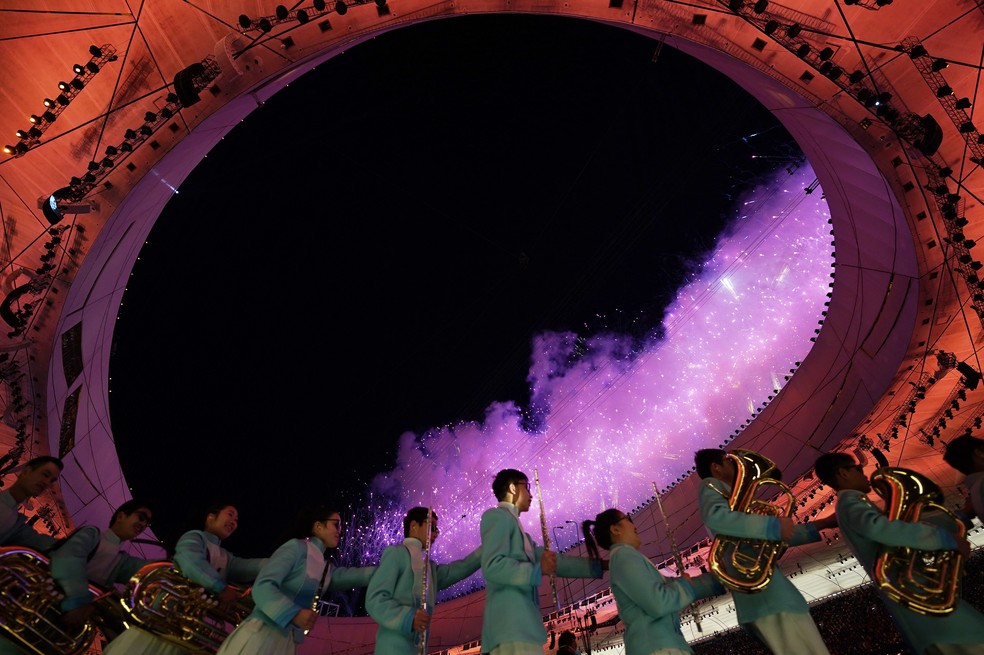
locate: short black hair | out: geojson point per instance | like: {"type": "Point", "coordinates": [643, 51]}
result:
{"type": "Point", "coordinates": [828, 464]}
{"type": "Point", "coordinates": [416, 515]}
{"type": "Point", "coordinates": [303, 523]}
{"type": "Point", "coordinates": [503, 479]}
{"type": "Point", "coordinates": [566, 638]}
{"type": "Point", "coordinates": [705, 457]}
{"type": "Point", "coordinates": [38, 462]}
{"type": "Point", "coordinates": [129, 507]}
{"type": "Point", "coordinates": [960, 453]}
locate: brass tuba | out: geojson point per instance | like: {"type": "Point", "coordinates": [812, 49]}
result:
{"type": "Point", "coordinates": [924, 581]}
{"type": "Point", "coordinates": [743, 564]}
{"type": "Point", "coordinates": [166, 603]}
{"type": "Point", "coordinates": [30, 613]}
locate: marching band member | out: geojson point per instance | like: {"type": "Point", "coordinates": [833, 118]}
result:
{"type": "Point", "coordinates": [966, 454]}
{"type": "Point", "coordinates": [648, 603]}
{"type": "Point", "coordinates": [288, 587]}
{"type": "Point", "coordinates": [513, 567]}
{"type": "Point", "coordinates": [395, 592]}
{"type": "Point", "coordinates": [200, 557]}
{"type": "Point", "coordinates": [36, 477]}
{"type": "Point", "coordinates": [778, 614]}
{"type": "Point", "coordinates": [866, 529]}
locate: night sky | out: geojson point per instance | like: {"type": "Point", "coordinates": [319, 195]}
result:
{"type": "Point", "coordinates": [372, 251]}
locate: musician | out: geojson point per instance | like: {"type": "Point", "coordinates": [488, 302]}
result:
{"type": "Point", "coordinates": [90, 555]}
{"type": "Point", "coordinates": [866, 529]}
{"type": "Point", "coordinates": [289, 584]}
{"type": "Point", "coordinates": [966, 454]}
{"type": "Point", "coordinates": [200, 557]}
{"type": "Point", "coordinates": [513, 567]}
{"type": "Point", "coordinates": [567, 644]}
{"type": "Point", "coordinates": [394, 596]}
{"type": "Point", "coordinates": [649, 603]}
{"type": "Point", "coordinates": [36, 477]}
{"type": "Point", "coordinates": [778, 615]}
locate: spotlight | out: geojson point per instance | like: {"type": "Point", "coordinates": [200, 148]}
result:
{"type": "Point", "coordinates": [93, 67]}
{"type": "Point", "coordinates": [63, 100]}
{"type": "Point", "coordinates": [760, 6]}
{"type": "Point", "coordinates": [940, 64]}
{"type": "Point", "coordinates": [244, 21]}
{"type": "Point", "coordinates": [963, 103]}
{"type": "Point", "coordinates": [319, 5]}
{"type": "Point", "coordinates": [77, 84]}
{"type": "Point", "coordinates": [341, 7]}
{"type": "Point", "coordinates": [55, 206]}
{"type": "Point", "coordinates": [855, 77]}
{"type": "Point", "coordinates": [794, 30]}
{"type": "Point", "coordinates": [918, 51]}
{"type": "Point", "coordinates": [771, 26]}
{"type": "Point", "coordinates": [95, 51]}
{"type": "Point", "coordinates": [265, 25]}
{"type": "Point", "coordinates": [967, 127]}
{"type": "Point", "coordinates": [944, 91]}
{"type": "Point", "coordinates": [64, 86]}
{"type": "Point", "coordinates": [281, 12]}
{"type": "Point", "coordinates": [48, 102]}
{"type": "Point", "coordinates": [803, 51]}
{"type": "Point", "coordinates": [826, 53]}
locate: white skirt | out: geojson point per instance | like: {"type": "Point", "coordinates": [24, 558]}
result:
{"type": "Point", "coordinates": [254, 637]}
{"type": "Point", "coordinates": [136, 641]}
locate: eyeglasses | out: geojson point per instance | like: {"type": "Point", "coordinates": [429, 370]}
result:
{"type": "Point", "coordinates": [625, 518]}
{"type": "Point", "coordinates": [336, 522]}
{"type": "Point", "coordinates": [145, 517]}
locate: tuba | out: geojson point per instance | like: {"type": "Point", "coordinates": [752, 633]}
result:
{"type": "Point", "coordinates": [924, 581]}
{"type": "Point", "coordinates": [30, 613]}
{"type": "Point", "coordinates": [166, 603]}
{"type": "Point", "coordinates": [743, 564]}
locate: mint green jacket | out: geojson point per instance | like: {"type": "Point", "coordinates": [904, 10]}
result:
{"type": "Point", "coordinates": [394, 595]}
{"type": "Point", "coordinates": [513, 577]}
{"type": "Point", "coordinates": [865, 529]}
{"type": "Point", "coordinates": [780, 595]}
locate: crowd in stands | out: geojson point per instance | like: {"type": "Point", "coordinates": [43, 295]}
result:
{"type": "Point", "coordinates": [853, 622]}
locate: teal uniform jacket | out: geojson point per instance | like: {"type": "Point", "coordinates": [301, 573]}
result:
{"type": "Point", "coordinates": [394, 594]}
{"type": "Point", "coordinates": [650, 604]}
{"type": "Point", "coordinates": [90, 555]}
{"type": "Point", "coordinates": [14, 530]}
{"type": "Point", "coordinates": [191, 558]}
{"type": "Point", "coordinates": [866, 528]}
{"type": "Point", "coordinates": [283, 587]}
{"type": "Point", "coordinates": [780, 595]}
{"type": "Point", "coordinates": [513, 577]}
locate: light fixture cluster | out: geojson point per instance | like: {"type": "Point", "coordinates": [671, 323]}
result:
{"type": "Point", "coordinates": [302, 16]}
{"type": "Point", "coordinates": [69, 199]}
{"type": "Point", "coordinates": [921, 131]}
{"type": "Point", "coordinates": [949, 205]}
{"type": "Point", "coordinates": [931, 69]}
{"type": "Point", "coordinates": [864, 4]}
{"type": "Point", "coordinates": [31, 137]}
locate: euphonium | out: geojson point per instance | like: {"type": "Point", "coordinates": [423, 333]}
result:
{"type": "Point", "coordinates": [924, 581]}
{"type": "Point", "coordinates": [176, 609]}
{"type": "Point", "coordinates": [741, 564]}
{"type": "Point", "coordinates": [30, 615]}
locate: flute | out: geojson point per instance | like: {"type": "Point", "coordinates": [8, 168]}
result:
{"type": "Point", "coordinates": [677, 557]}
{"type": "Point", "coordinates": [546, 538]}
{"type": "Point", "coordinates": [425, 585]}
